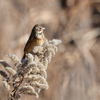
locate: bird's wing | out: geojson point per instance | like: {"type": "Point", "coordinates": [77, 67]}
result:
{"type": "Point", "coordinates": [29, 43]}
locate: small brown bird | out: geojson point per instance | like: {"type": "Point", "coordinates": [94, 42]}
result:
{"type": "Point", "coordinates": [36, 39]}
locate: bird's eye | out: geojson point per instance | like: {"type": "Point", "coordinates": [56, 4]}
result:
{"type": "Point", "coordinates": [40, 28]}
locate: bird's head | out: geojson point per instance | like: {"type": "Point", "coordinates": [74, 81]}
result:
{"type": "Point", "coordinates": [38, 31]}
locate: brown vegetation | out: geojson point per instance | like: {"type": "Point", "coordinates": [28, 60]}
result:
{"type": "Point", "coordinates": [74, 72]}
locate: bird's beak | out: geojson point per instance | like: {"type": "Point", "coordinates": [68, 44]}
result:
{"type": "Point", "coordinates": [43, 28]}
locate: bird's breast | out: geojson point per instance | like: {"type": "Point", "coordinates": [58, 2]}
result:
{"type": "Point", "coordinates": [39, 42]}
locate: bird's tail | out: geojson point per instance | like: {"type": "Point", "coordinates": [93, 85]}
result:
{"type": "Point", "coordinates": [23, 58]}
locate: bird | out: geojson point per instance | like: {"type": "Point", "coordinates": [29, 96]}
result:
{"type": "Point", "coordinates": [36, 38]}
